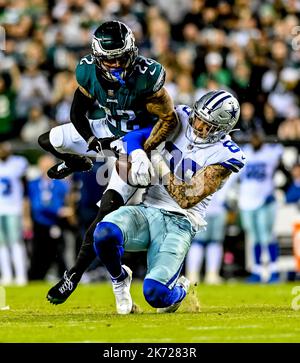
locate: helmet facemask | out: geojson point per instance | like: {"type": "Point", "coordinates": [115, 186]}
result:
{"type": "Point", "coordinates": [114, 44]}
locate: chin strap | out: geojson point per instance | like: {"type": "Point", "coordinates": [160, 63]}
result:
{"type": "Point", "coordinates": [118, 76]}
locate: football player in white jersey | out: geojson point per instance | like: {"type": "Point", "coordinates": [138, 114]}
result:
{"type": "Point", "coordinates": [12, 251]}
{"type": "Point", "coordinates": [257, 203]}
{"type": "Point", "coordinates": [193, 164]}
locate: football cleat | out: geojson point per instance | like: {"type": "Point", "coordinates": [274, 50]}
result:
{"type": "Point", "coordinates": [184, 283]}
{"type": "Point", "coordinates": [65, 168]}
{"type": "Point", "coordinates": [274, 278]}
{"type": "Point", "coordinates": [121, 291]}
{"type": "Point", "coordinates": [59, 293]}
{"type": "Point", "coordinates": [253, 279]}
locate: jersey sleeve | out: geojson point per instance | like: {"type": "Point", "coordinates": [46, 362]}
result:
{"type": "Point", "coordinates": [83, 71]}
{"type": "Point", "coordinates": [232, 157]}
{"type": "Point", "coordinates": [154, 76]}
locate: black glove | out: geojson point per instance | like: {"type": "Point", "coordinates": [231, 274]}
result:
{"type": "Point", "coordinates": [94, 145]}
{"type": "Point", "coordinates": [99, 145]}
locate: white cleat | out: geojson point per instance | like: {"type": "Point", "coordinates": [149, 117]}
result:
{"type": "Point", "coordinates": [185, 284]}
{"type": "Point", "coordinates": [122, 293]}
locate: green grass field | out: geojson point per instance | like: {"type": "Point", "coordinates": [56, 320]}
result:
{"type": "Point", "coordinates": [228, 313]}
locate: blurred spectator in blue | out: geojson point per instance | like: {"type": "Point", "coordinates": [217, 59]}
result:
{"type": "Point", "coordinates": [292, 194]}
{"type": "Point", "coordinates": [47, 198]}
{"type": "Point", "coordinates": [12, 251]}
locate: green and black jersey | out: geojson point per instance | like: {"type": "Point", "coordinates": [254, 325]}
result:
{"type": "Point", "coordinates": [124, 107]}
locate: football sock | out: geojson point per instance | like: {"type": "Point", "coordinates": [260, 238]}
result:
{"type": "Point", "coordinates": [214, 253]}
{"type": "Point", "coordinates": [110, 201]}
{"type": "Point", "coordinates": [18, 260]}
{"type": "Point", "coordinates": [194, 262]}
{"type": "Point", "coordinates": [257, 259]}
{"type": "Point", "coordinates": [5, 265]}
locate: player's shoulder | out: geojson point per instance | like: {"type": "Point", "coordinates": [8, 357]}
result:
{"type": "Point", "coordinates": [183, 112]}
{"type": "Point", "coordinates": [149, 74]}
{"type": "Point", "coordinates": [84, 68]}
{"type": "Point", "coordinates": [230, 155]}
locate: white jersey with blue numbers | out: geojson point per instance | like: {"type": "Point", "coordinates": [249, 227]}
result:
{"type": "Point", "coordinates": [256, 180]}
{"type": "Point", "coordinates": [11, 187]}
{"type": "Point", "coordinates": [184, 160]}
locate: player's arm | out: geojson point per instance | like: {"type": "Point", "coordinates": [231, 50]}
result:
{"type": "Point", "coordinates": [204, 183]}
{"type": "Point", "coordinates": [160, 104]}
{"type": "Point", "coordinates": [187, 194]}
{"type": "Point", "coordinates": [82, 102]}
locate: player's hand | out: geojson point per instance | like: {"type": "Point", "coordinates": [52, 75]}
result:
{"type": "Point", "coordinates": [141, 168]}
{"type": "Point", "coordinates": [117, 146]}
{"type": "Point", "coordinates": [94, 145]}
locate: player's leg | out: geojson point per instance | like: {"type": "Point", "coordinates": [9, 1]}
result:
{"type": "Point", "coordinates": [5, 265]}
{"type": "Point", "coordinates": [195, 256]}
{"type": "Point", "coordinates": [265, 220]}
{"type": "Point", "coordinates": [65, 143]}
{"type": "Point", "coordinates": [249, 224]}
{"type": "Point", "coordinates": [18, 254]}
{"type": "Point", "coordinates": [127, 228]}
{"type": "Point", "coordinates": [171, 238]}
{"type": "Point", "coordinates": [115, 196]}
{"type": "Point", "coordinates": [214, 249]}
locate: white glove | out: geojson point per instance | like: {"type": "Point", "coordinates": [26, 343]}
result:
{"type": "Point", "coordinates": [141, 168]}
{"type": "Point", "coordinates": [117, 146]}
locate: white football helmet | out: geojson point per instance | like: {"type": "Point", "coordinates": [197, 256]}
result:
{"type": "Point", "coordinates": [220, 110]}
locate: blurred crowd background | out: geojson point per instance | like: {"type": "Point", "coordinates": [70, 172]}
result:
{"type": "Point", "coordinates": [251, 48]}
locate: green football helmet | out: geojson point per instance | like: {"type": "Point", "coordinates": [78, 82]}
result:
{"type": "Point", "coordinates": [114, 50]}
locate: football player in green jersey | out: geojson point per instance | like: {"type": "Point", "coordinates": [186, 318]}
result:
{"type": "Point", "coordinates": [130, 93]}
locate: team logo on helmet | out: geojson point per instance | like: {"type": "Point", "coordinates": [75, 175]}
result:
{"type": "Point", "coordinates": [217, 112]}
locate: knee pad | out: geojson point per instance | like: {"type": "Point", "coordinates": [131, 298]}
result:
{"type": "Point", "coordinates": [56, 137]}
{"type": "Point", "coordinates": [107, 236]}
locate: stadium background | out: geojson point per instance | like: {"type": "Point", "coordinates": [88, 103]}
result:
{"type": "Point", "coordinates": [251, 48]}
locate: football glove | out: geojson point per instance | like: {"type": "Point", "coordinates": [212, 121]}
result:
{"type": "Point", "coordinates": [100, 145]}
{"type": "Point", "coordinates": [141, 168]}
